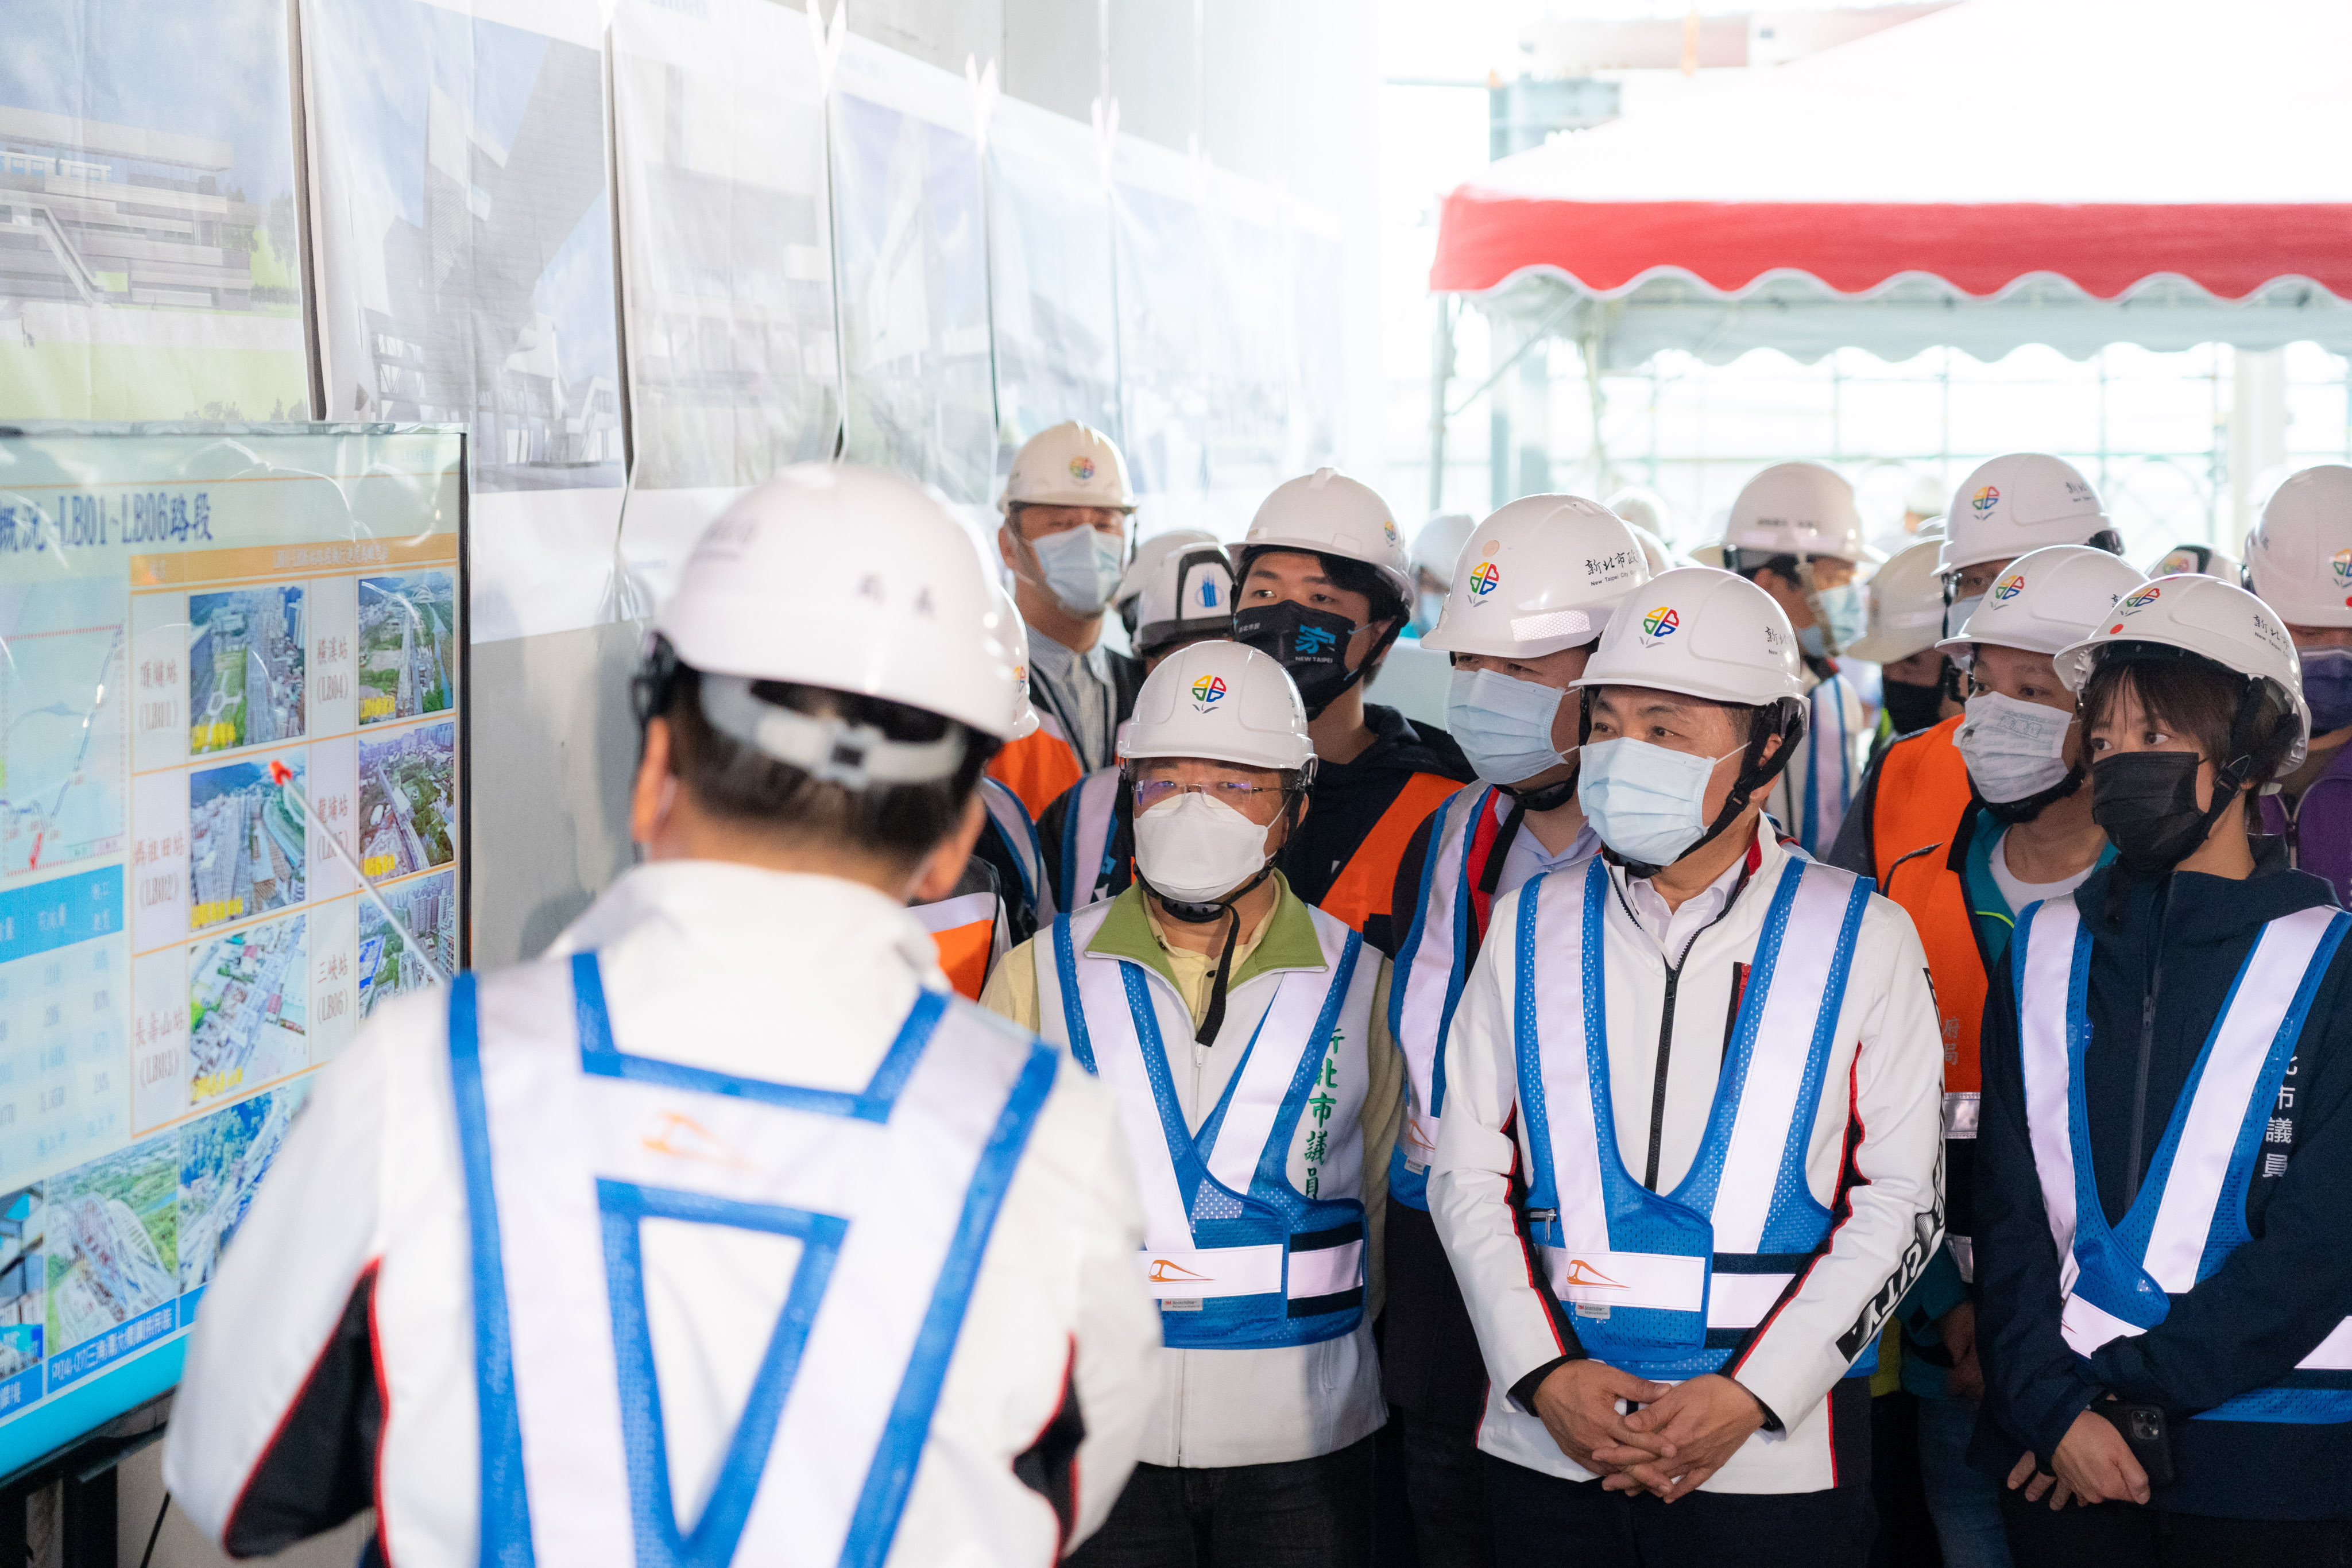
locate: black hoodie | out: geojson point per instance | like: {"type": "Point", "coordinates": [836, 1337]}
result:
{"type": "Point", "coordinates": [2275, 1299]}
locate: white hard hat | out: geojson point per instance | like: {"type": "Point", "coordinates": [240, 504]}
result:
{"type": "Point", "coordinates": [2218, 621]}
{"type": "Point", "coordinates": [1071, 465]}
{"type": "Point", "coordinates": [1148, 553]}
{"type": "Point", "coordinates": [1644, 509]}
{"type": "Point", "coordinates": [1541, 574]}
{"type": "Point", "coordinates": [2194, 560]}
{"type": "Point", "coordinates": [1440, 542]}
{"type": "Point", "coordinates": [2011, 504]}
{"type": "Point", "coordinates": [908, 612]}
{"type": "Point", "coordinates": [1924, 495]}
{"type": "Point", "coordinates": [1800, 509]}
{"type": "Point", "coordinates": [1906, 607]}
{"type": "Point", "coordinates": [2299, 558]}
{"type": "Point", "coordinates": [1190, 594]}
{"type": "Point", "coordinates": [2046, 599]}
{"type": "Point", "coordinates": [1222, 701]}
{"type": "Point", "coordinates": [1654, 549]}
{"type": "Point", "coordinates": [1016, 635]}
{"type": "Point", "coordinates": [1704, 633]}
{"type": "Point", "coordinates": [1329, 514]}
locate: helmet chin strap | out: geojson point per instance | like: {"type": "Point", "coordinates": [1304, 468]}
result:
{"type": "Point", "coordinates": [1396, 630]}
{"type": "Point", "coordinates": [2013, 812]}
{"type": "Point", "coordinates": [1195, 913]}
{"type": "Point", "coordinates": [1548, 798]}
{"type": "Point", "coordinates": [1756, 776]}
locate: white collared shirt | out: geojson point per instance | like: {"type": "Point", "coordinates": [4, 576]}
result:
{"type": "Point", "coordinates": [1673, 930]}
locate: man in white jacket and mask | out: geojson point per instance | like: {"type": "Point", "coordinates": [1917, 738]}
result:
{"type": "Point", "coordinates": [1243, 1035]}
{"type": "Point", "coordinates": [1688, 1162]}
{"type": "Point", "coordinates": [723, 1232]}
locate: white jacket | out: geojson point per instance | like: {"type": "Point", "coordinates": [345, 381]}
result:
{"type": "Point", "coordinates": [1884, 1087]}
{"type": "Point", "coordinates": [354, 1261]}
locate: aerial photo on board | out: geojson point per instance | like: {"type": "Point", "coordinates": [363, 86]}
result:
{"type": "Point", "coordinates": [245, 843]}
{"type": "Point", "coordinates": [24, 1282]}
{"type": "Point", "coordinates": [407, 645]}
{"type": "Point", "coordinates": [388, 966]}
{"type": "Point", "coordinates": [248, 993]}
{"type": "Point", "coordinates": [408, 800]}
{"type": "Point", "coordinates": [222, 1158]}
{"type": "Point", "coordinates": [113, 1240]}
{"type": "Point", "coordinates": [245, 668]}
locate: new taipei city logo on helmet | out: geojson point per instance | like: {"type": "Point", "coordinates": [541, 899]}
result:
{"type": "Point", "coordinates": [1985, 500]}
{"type": "Point", "coordinates": [1484, 579]}
{"type": "Point", "coordinates": [2342, 562]}
{"type": "Point", "coordinates": [2010, 587]}
{"type": "Point", "coordinates": [1661, 621]}
{"type": "Point", "coordinates": [1082, 468]}
{"type": "Point", "coordinates": [2146, 596]}
{"type": "Point", "coordinates": [1208, 691]}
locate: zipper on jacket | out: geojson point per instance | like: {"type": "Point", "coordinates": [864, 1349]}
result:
{"type": "Point", "coordinates": [1666, 1059]}
{"type": "Point", "coordinates": [2133, 1171]}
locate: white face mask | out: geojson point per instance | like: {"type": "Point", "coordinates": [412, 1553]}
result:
{"type": "Point", "coordinates": [1503, 724]}
{"type": "Point", "coordinates": [1082, 567]}
{"type": "Point", "coordinates": [2013, 748]}
{"type": "Point", "coordinates": [1196, 850]}
{"type": "Point", "coordinates": [1645, 802]}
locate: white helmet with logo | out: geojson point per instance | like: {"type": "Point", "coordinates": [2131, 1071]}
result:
{"type": "Point", "coordinates": [1148, 553]}
{"type": "Point", "coordinates": [1025, 712]}
{"type": "Point", "coordinates": [1328, 513]}
{"type": "Point", "coordinates": [2046, 599]}
{"type": "Point", "coordinates": [1704, 633]}
{"type": "Point", "coordinates": [2299, 558]}
{"type": "Point", "coordinates": [1440, 542]}
{"type": "Point", "coordinates": [1906, 607]}
{"type": "Point", "coordinates": [1071, 465]}
{"type": "Point", "coordinates": [2191, 558]}
{"type": "Point", "coordinates": [2011, 504]}
{"type": "Point", "coordinates": [1795, 508]}
{"type": "Point", "coordinates": [2218, 621]}
{"type": "Point", "coordinates": [1654, 549]}
{"type": "Point", "coordinates": [1541, 574]}
{"type": "Point", "coordinates": [1190, 594]}
{"type": "Point", "coordinates": [1224, 702]}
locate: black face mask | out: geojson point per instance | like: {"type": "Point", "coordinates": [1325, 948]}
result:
{"type": "Point", "coordinates": [1312, 644]}
{"type": "Point", "coordinates": [2147, 802]}
{"type": "Point", "coordinates": [1910, 708]}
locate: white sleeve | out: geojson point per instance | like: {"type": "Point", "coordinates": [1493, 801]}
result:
{"type": "Point", "coordinates": [1887, 1217]}
{"type": "Point", "coordinates": [258, 1394]}
{"type": "Point", "coordinates": [1114, 1367]}
{"type": "Point", "coordinates": [1470, 1179]}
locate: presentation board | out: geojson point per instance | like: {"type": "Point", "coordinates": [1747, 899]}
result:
{"type": "Point", "coordinates": [187, 618]}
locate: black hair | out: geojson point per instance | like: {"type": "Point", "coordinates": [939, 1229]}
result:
{"type": "Point", "coordinates": [1346, 572]}
{"type": "Point", "coordinates": [2194, 697]}
{"type": "Point", "coordinates": [738, 783]}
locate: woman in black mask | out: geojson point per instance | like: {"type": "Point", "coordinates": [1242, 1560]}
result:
{"type": "Point", "coordinates": [2163, 1295]}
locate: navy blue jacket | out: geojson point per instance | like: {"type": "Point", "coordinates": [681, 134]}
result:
{"type": "Point", "coordinates": [2274, 1299]}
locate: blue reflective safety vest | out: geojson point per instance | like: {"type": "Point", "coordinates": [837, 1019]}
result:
{"type": "Point", "coordinates": [2191, 1212]}
{"type": "Point", "coordinates": [1671, 1285]}
{"type": "Point", "coordinates": [1431, 967]}
{"type": "Point", "coordinates": [1238, 1257]}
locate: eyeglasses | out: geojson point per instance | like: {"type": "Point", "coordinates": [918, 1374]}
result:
{"type": "Point", "coordinates": [1233, 792]}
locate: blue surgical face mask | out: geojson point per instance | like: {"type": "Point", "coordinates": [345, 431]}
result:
{"type": "Point", "coordinates": [1082, 567]}
{"type": "Point", "coordinates": [2327, 687]}
{"type": "Point", "coordinates": [1848, 616]}
{"type": "Point", "coordinates": [1644, 801]}
{"type": "Point", "coordinates": [1957, 613]}
{"type": "Point", "coordinates": [1503, 724]}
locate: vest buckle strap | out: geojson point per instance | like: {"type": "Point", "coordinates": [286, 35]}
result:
{"type": "Point", "coordinates": [1670, 1282]}
{"type": "Point", "coordinates": [1324, 1271]}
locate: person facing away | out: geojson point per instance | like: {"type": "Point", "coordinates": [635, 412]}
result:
{"type": "Point", "coordinates": [1243, 1037]}
{"type": "Point", "coordinates": [723, 1232]}
{"type": "Point", "coordinates": [1688, 1159]}
{"type": "Point", "coordinates": [2299, 562]}
{"type": "Point", "coordinates": [2164, 1162]}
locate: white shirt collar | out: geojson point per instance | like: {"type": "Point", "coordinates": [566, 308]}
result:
{"type": "Point", "coordinates": [1673, 930]}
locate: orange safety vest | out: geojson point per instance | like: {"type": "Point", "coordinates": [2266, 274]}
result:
{"type": "Point", "coordinates": [1923, 798]}
{"type": "Point", "coordinates": [1039, 767]}
{"type": "Point", "coordinates": [964, 928]}
{"type": "Point", "coordinates": [1367, 883]}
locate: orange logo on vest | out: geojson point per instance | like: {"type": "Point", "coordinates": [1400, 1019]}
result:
{"type": "Point", "coordinates": [685, 1138]}
{"type": "Point", "coordinates": [1163, 1272]}
{"type": "Point", "coordinates": [1580, 1273]}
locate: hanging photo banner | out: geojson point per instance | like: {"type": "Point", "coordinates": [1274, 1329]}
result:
{"type": "Point", "coordinates": [1163, 320]}
{"type": "Point", "coordinates": [919, 393]}
{"type": "Point", "coordinates": [1051, 300]}
{"type": "Point", "coordinates": [234, 673]}
{"type": "Point", "coordinates": [151, 266]}
{"type": "Point", "coordinates": [725, 261]}
{"type": "Point", "coordinates": [1318, 396]}
{"type": "Point", "coordinates": [1255, 344]}
{"type": "Point", "coordinates": [465, 248]}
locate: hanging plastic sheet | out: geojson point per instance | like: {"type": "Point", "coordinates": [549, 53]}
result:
{"type": "Point", "coordinates": [1318, 399]}
{"type": "Point", "coordinates": [727, 258]}
{"type": "Point", "coordinates": [918, 394]}
{"type": "Point", "coordinates": [1050, 276]}
{"type": "Point", "coordinates": [466, 272]}
{"type": "Point", "coordinates": [153, 269]}
{"type": "Point", "coordinates": [1163, 320]}
{"type": "Point", "coordinates": [1254, 342]}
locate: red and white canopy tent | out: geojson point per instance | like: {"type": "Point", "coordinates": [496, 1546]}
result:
{"type": "Point", "coordinates": [2072, 172]}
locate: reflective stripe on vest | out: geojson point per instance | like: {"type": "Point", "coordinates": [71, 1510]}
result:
{"type": "Point", "coordinates": [1426, 985]}
{"type": "Point", "coordinates": [570, 1146]}
{"type": "Point", "coordinates": [1670, 1285]}
{"type": "Point", "coordinates": [1089, 826]}
{"type": "Point", "coordinates": [1367, 883]}
{"type": "Point", "coordinates": [1020, 836]}
{"type": "Point", "coordinates": [1829, 748]}
{"type": "Point", "coordinates": [1037, 768]}
{"type": "Point", "coordinates": [2190, 1213]}
{"type": "Point", "coordinates": [1239, 1257]}
{"type": "Point", "coordinates": [969, 936]}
